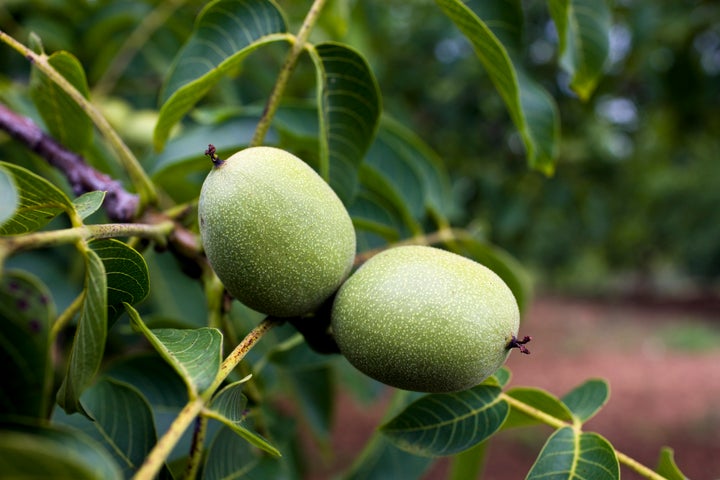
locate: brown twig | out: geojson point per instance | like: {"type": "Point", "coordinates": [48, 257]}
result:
{"type": "Point", "coordinates": [120, 205]}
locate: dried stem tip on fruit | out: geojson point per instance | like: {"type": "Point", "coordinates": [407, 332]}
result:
{"type": "Point", "coordinates": [210, 152]}
{"type": "Point", "coordinates": [519, 344]}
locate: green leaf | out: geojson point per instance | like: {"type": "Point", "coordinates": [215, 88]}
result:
{"type": "Point", "coordinates": [39, 201]}
{"type": "Point", "coordinates": [531, 108]}
{"type": "Point", "coordinates": [502, 376]}
{"type": "Point", "coordinates": [387, 462]}
{"type": "Point", "coordinates": [225, 32]}
{"type": "Point", "coordinates": [500, 262]}
{"type": "Point", "coordinates": [538, 399]}
{"type": "Point", "coordinates": [9, 200]}
{"type": "Point", "coordinates": [126, 272]}
{"type": "Point", "coordinates": [390, 198]}
{"type": "Point", "coordinates": [314, 393]}
{"type": "Point", "coordinates": [572, 455]}
{"type": "Point", "coordinates": [666, 465]}
{"type": "Point", "coordinates": [349, 100]}
{"type": "Point", "coordinates": [89, 344]}
{"type": "Point", "coordinates": [228, 407]}
{"type": "Point", "coordinates": [587, 399]}
{"type": "Point", "coordinates": [26, 315]}
{"type": "Point", "coordinates": [583, 28]}
{"type": "Point", "coordinates": [65, 120]}
{"type": "Point", "coordinates": [297, 355]}
{"type": "Point", "coordinates": [52, 452]}
{"type": "Point", "coordinates": [229, 456]}
{"type": "Point", "coordinates": [123, 420]}
{"type": "Point", "coordinates": [415, 169]}
{"type": "Point", "coordinates": [194, 353]}
{"type": "Point", "coordinates": [153, 378]}
{"type": "Point", "coordinates": [88, 203]}
{"type": "Point", "coordinates": [182, 166]}
{"type": "Point", "coordinates": [448, 423]}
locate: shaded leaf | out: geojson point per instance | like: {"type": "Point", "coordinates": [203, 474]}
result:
{"type": "Point", "coordinates": [89, 343]}
{"type": "Point", "coordinates": [39, 201]}
{"type": "Point", "coordinates": [538, 399]}
{"type": "Point", "coordinates": [587, 399]}
{"type": "Point", "coordinates": [194, 353]}
{"type": "Point", "coordinates": [667, 467]}
{"type": "Point", "coordinates": [405, 159]}
{"type": "Point", "coordinates": [390, 198]}
{"type": "Point", "coordinates": [448, 423]}
{"type": "Point", "coordinates": [228, 407]}
{"type": "Point", "coordinates": [314, 392]}
{"type": "Point", "coordinates": [63, 117]}
{"type": "Point", "coordinates": [572, 455]}
{"type": "Point", "coordinates": [9, 200]}
{"type": "Point", "coordinates": [500, 262]}
{"type": "Point", "coordinates": [349, 100]}
{"type": "Point", "coordinates": [225, 32]}
{"type": "Point", "coordinates": [126, 272]}
{"type": "Point", "coordinates": [229, 456]}
{"type": "Point", "coordinates": [182, 166]}
{"type": "Point", "coordinates": [153, 378]}
{"type": "Point", "coordinates": [298, 356]}
{"type": "Point", "coordinates": [387, 462]}
{"type": "Point", "coordinates": [26, 314]}
{"type": "Point", "coordinates": [531, 108]}
{"type": "Point", "coordinates": [88, 203]}
{"type": "Point", "coordinates": [123, 420]}
{"type": "Point", "coordinates": [583, 28]}
{"type": "Point", "coordinates": [51, 452]}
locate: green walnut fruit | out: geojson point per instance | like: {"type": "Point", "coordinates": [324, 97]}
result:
{"type": "Point", "coordinates": [424, 319]}
{"type": "Point", "coordinates": [274, 232]}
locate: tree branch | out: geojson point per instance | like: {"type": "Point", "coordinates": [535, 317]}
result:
{"type": "Point", "coordinates": [120, 205]}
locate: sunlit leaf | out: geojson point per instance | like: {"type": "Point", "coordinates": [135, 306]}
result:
{"type": "Point", "coordinates": [350, 110]}
{"type": "Point", "coordinates": [126, 272]}
{"type": "Point", "coordinates": [667, 467]}
{"type": "Point", "coordinates": [65, 120]}
{"type": "Point", "coordinates": [195, 353]}
{"type": "Point", "coordinates": [583, 28]}
{"type": "Point", "coordinates": [531, 108]}
{"type": "Point", "coordinates": [88, 203]}
{"type": "Point", "coordinates": [538, 399]}
{"type": "Point", "coordinates": [123, 420]}
{"type": "Point", "coordinates": [225, 32]}
{"type": "Point", "coordinates": [51, 452]}
{"type": "Point", "coordinates": [572, 455]}
{"type": "Point", "coordinates": [89, 343]}
{"type": "Point", "coordinates": [38, 201]}
{"type": "Point", "coordinates": [26, 313]}
{"type": "Point", "coordinates": [228, 407]}
{"type": "Point", "coordinates": [448, 423]}
{"type": "Point", "coordinates": [587, 399]}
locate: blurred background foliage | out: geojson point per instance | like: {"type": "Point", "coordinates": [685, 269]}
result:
{"type": "Point", "coordinates": [635, 200]}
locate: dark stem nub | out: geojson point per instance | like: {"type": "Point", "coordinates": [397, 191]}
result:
{"type": "Point", "coordinates": [210, 152]}
{"type": "Point", "coordinates": [519, 344]}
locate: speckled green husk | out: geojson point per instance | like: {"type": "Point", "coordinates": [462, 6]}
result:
{"type": "Point", "coordinates": [424, 319]}
{"type": "Point", "coordinates": [276, 234]}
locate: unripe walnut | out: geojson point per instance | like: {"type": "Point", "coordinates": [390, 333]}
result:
{"type": "Point", "coordinates": [274, 232]}
{"type": "Point", "coordinates": [424, 319]}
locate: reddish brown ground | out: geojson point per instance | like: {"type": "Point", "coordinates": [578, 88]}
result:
{"type": "Point", "coordinates": [665, 386]}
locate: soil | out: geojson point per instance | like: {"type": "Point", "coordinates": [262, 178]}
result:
{"type": "Point", "coordinates": [662, 364]}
